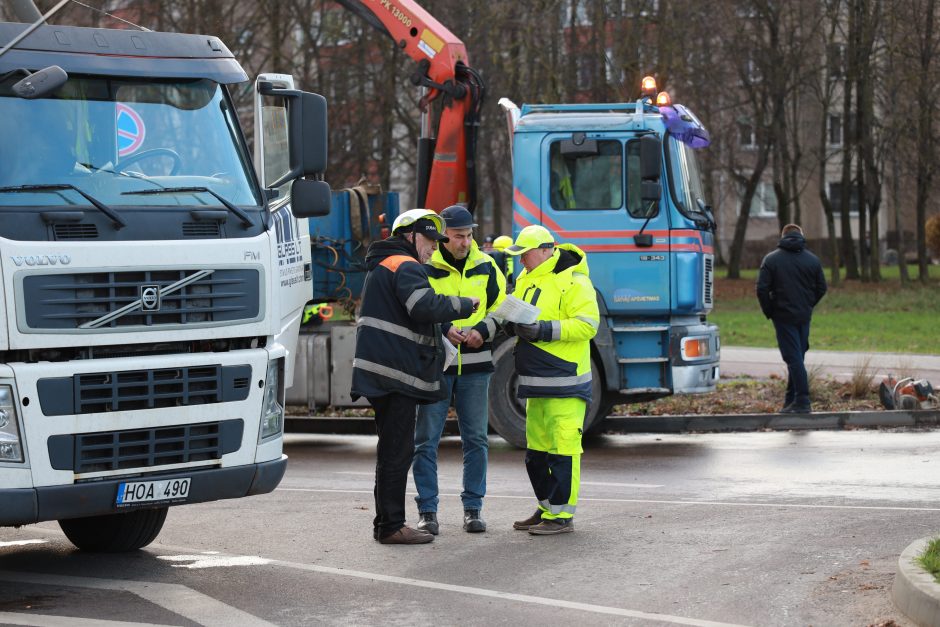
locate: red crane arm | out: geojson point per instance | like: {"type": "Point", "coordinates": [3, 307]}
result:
{"type": "Point", "coordinates": [445, 158]}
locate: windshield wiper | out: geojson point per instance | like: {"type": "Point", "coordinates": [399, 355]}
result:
{"type": "Point", "coordinates": [244, 217]}
{"type": "Point", "coordinates": [52, 187]}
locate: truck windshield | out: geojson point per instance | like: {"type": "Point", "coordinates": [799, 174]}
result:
{"type": "Point", "coordinates": [110, 136]}
{"type": "Point", "coordinates": [685, 179]}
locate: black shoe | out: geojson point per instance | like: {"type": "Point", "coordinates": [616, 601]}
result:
{"type": "Point", "coordinates": [407, 535]}
{"type": "Point", "coordinates": [429, 523]}
{"type": "Point", "coordinates": [528, 523]}
{"type": "Point", "coordinates": [472, 522]}
{"type": "Point", "coordinates": [553, 527]}
{"type": "Point", "coordinates": [797, 409]}
{"type": "Point", "coordinates": [785, 407]}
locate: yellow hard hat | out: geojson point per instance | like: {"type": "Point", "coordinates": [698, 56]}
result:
{"type": "Point", "coordinates": [502, 242]}
{"type": "Point", "coordinates": [416, 218]}
{"type": "Point", "coordinates": [530, 238]}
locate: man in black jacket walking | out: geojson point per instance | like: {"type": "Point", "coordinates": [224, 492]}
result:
{"type": "Point", "coordinates": [400, 357]}
{"type": "Point", "coordinates": [790, 284]}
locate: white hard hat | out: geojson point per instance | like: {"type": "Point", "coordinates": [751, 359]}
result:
{"type": "Point", "coordinates": [406, 221]}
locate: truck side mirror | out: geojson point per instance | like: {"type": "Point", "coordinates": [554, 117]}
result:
{"type": "Point", "coordinates": [307, 132]}
{"type": "Point", "coordinates": [651, 158]}
{"type": "Point", "coordinates": [310, 198]}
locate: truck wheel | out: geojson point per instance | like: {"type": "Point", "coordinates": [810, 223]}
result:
{"type": "Point", "coordinates": [507, 411]}
{"type": "Point", "coordinates": [115, 533]}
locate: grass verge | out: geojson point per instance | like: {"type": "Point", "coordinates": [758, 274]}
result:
{"type": "Point", "coordinates": [864, 317]}
{"type": "Point", "coordinates": [929, 560]}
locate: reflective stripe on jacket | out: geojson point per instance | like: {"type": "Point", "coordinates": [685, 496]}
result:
{"type": "Point", "coordinates": [483, 279]}
{"type": "Point", "coordinates": [560, 367]}
{"type": "Point", "coordinates": [398, 339]}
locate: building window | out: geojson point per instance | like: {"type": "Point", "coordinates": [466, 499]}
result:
{"type": "Point", "coordinates": [764, 203]}
{"type": "Point", "coordinates": [835, 197]}
{"type": "Point", "coordinates": [836, 54]}
{"type": "Point", "coordinates": [835, 130]}
{"type": "Point", "coordinates": [747, 135]}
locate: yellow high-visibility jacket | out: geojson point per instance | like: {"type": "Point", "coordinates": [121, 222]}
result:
{"type": "Point", "coordinates": [560, 366]}
{"type": "Point", "coordinates": [483, 279]}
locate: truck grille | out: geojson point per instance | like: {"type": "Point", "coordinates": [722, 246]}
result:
{"type": "Point", "coordinates": [68, 301]}
{"type": "Point", "coordinates": [144, 448]}
{"type": "Point", "coordinates": [143, 389]}
{"type": "Point", "coordinates": [708, 280]}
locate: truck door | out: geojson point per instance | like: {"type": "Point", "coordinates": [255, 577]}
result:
{"type": "Point", "coordinates": [592, 198]}
{"type": "Point", "coordinates": [291, 271]}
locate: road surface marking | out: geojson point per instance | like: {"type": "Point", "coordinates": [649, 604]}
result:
{"type": "Point", "coordinates": [584, 499]}
{"type": "Point", "coordinates": [188, 603]}
{"type": "Point", "coordinates": [48, 620]}
{"type": "Point", "coordinates": [624, 485]}
{"type": "Point", "coordinates": [213, 560]}
{"type": "Point", "coordinates": [21, 542]}
{"type": "Point", "coordinates": [507, 596]}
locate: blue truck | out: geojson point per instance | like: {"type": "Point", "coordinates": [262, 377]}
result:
{"type": "Point", "coordinates": [619, 180]}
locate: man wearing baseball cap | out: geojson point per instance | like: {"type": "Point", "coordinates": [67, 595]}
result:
{"type": "Point", "coordinates": [400, 357]}
{"type": "Point", "coordinates": [553, 361]}
{"type": "Point", "coordinates": [459, 268]}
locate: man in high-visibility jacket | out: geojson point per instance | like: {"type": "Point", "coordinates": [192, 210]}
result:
{"type": "Point", "coordinates": [553, 361]}
{"type": "Point", "coordinates": [460, 268]}
{"type": "Point", "coordinates": [400, 356]}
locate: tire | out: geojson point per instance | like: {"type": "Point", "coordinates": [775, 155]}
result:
{"type": "Point", "coordinates": [115, 533]}
{"type": "Point", "coordinates": [507, 410]}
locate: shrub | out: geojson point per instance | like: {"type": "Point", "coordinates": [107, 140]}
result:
{"type": "Point", "coordinates": [933, 235]}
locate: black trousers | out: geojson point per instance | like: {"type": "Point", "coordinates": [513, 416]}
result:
{"type": "Point", "coordinates": [395, 425]}
{"type": "Point", "coordinates": [793, 340]}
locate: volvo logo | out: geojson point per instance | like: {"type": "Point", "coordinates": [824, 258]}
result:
{"type": "Point", "coordinates": [150, 297]}
{"type": "Point", "coordinates": [41, 260]}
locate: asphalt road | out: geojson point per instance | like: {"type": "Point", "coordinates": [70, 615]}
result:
{"type": "Point", "coordinates": [778, 528]}
{"type": "Point", "coordinates": [763, 362]}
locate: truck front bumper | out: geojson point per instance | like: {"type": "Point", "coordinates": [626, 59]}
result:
{"type": "Point", "coordinates": [30, 505]}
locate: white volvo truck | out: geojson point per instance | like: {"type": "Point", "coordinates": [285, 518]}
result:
{"type": "Point", "coordinates": [151, 278]}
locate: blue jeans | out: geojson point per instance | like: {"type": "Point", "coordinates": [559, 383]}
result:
{"type": "Point", "coordinates": [470, 393]}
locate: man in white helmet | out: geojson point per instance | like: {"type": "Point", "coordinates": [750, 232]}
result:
{"type": "Point", "coordinates": [400, 357]}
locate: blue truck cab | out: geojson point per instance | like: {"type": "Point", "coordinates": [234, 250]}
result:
{"type": "Point", "coordinates": [621, 181]}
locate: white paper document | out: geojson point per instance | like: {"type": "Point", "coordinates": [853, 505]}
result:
{"type": "Point", "coordinates": [450, 353]}
{"type": "Point", "coordinates": [517, 310]}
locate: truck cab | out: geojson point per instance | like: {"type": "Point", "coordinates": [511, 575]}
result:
{"type": "Point", "coordinates": [621, 181]}
{"type": "Point", "coordinates": [152, 282]}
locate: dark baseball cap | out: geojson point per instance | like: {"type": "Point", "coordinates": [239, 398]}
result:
{"type": "Point", "coordinates": [426, 227]}
{"type": "Point", "coordinates": [457, 217]}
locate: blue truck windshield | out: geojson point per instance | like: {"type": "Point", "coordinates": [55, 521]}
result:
{"type": "Point", "coordinates": [685, 178]}
{"type": "Point", "coordinates": [110, 138]}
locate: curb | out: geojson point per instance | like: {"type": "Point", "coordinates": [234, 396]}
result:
{"type": "Point", "coordinates": [915, 592]}
{"type": "Point", "coordinates": [772, 422]}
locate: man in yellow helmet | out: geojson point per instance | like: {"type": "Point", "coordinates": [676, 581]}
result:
{"type": "Point", "coordinates": [400, 357]}
{"type": "Point", "coordinates": [553, 361]}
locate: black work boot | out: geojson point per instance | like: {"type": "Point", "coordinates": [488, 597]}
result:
{"type": "Point", "coordinates": [552, 527]}
{"type": "Point", "coordinates": [472, 522]}
{"type": "Point", "coordinates": [528, 523]}
{"type": "Point", "coordinates": [429, 523]}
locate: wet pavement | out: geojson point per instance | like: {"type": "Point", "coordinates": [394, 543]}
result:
{"type": "Point", "coordinates": [779, 528]}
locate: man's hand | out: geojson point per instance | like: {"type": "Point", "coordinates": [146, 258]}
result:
{"type": "Point", "coordinates": [475, 301]}
{"type": "Point", "coordinates": [455, 336]}
{"type": "Point", "coordinates": [474, 339]}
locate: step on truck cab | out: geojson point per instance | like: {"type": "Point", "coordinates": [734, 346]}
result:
{"type": "Point", "coordinates": [152, 282]}
{"type": "Point", "coordinates": [621, 181]}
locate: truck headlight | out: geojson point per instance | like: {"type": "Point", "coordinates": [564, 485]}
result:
{"type": "Point", "coordinates": [272, 412]}
{"type": "Point", "coordinates": [11, 448]}
{"type": "Point", "coordinates": [694, 348]}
